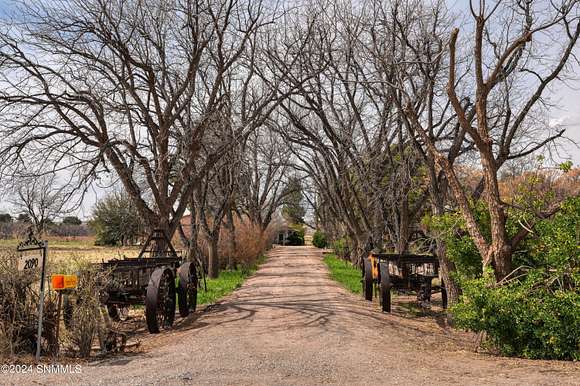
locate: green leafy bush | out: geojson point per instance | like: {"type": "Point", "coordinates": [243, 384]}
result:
{"type": "Point", "coordinates": [116, 221]}
{"type": "Point", "coordinates": [524, 318]}
{"type": "Point", "coordinates": [319, 239]}
{"type": "Point", "coordinates": [296, 236]}
{"type": "Point", "coordinates": [535, 313]}
{"type": "Point", "coordinates": [340, 247]}
{"type": "Point", "coordinates": [461, 250]}
{"type": "Point", "coordinates": [557, 244]}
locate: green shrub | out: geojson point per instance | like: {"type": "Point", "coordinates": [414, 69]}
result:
{"type": "Point", "coordinates": [524, 318]}
{"type": "Point", "coordinates": [116, 221]}
{"type": "Point", "coordinates": [340, 248]}
{"type": "Point", "coordinates": [319, 239]}
{"type": "Point", "coordinates": [557, 240]}
{"type": "Point", "coordinates": [537, 313]}
{"type": "Point", "coordinates": [296, 236]}
{"type": "Point", "coordinates": [461, 250]}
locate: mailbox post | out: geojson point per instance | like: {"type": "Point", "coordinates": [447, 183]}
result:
{"type": "Point", "coordinates": [60, 284]}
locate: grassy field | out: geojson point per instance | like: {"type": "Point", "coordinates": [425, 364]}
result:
{"type": "Point", "coordinates": [63, 248]}
{"type": "Point", "coordinates": [226, 283]}
{"type": "Point", "coordinates": [344, 273]}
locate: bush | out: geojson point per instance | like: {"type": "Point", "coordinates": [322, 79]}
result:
{"type": "Point", "coordinates": [524, 318]}
{"type": "Point", "coordinates": [340, 247]}
{"type": "Point", "coordinates": [536, 314]}
{"type": "Point", "coordinates": [116, 221]}
{"type": "Point", "coordinates": [296, 236]}
{"type": "Point", "coordinates": [18, 310]}
{"type": "Point", "coordinates": [250, 243]}
{"type": "Point", "coordinates": [319, 239]}
{"type": "Point", "coordinates": [71, 220]}
{"type": "Point", "coordinates": [460, 248]}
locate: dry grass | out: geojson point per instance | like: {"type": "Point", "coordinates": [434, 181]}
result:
{"type": "Point", "coordinates": [74, 247]}
{"type": "Point", "coordinates": [250, 244]}
{"type": "Point", "coordinates": [85, 303]}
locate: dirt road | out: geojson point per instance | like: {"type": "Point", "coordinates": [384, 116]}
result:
{"type": "Point", "coordinates": [290, 324]}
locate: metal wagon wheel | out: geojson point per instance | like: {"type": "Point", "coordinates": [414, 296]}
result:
{"type": "Point", "coordinates": [385, 287]}
{"type": "Point", "coordinates": [160, 300]}
{"type": "Point", "coordinates": [187, 289]}
{"type": "Point", "coordinates": [368, 280]}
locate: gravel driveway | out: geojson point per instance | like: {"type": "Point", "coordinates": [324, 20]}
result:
{"type": "Point", "coordinates": [291, 324]}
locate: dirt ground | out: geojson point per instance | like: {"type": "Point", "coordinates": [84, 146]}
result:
{"type": "Point", "coordinates": [291, 324]}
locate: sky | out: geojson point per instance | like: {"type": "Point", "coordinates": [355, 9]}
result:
{"type": "Point", "coordinates": [566, 98]}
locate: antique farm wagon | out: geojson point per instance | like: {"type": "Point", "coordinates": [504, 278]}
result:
{"type": "Point", "coordinates": [159, 278]}
{"type": "Point", "coordinates": [405, 272]}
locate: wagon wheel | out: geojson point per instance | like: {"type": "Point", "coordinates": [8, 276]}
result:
{"type": "Point", "coordinates": [368, 280]}
{"type": "Point", "coordinates": [160, 300]}
{"type": "Point", "coordinates": [187, 289]}
{"type": "Point", "coordinates": [385, 287]}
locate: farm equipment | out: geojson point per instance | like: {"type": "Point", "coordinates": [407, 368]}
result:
{"type": "Point", "coordinates": [159, 278]}
{"type": "Point", "coordinates": [404, 272]}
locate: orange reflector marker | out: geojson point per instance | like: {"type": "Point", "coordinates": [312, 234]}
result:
{"type": "Point", "coordinates": [57, 282]}
{"type": "Point", "coordinates": [61, 282]}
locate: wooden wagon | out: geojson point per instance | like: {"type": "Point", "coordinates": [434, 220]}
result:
{"type": "Point", "coordinates": [409, 272]}
{"type": "Point", "coordinates": [158, 278]}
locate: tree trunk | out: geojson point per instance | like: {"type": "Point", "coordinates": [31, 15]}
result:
{"type": "Point", "coordinates": [499, 254]}
{"type": "Point", "coordinates": [404, 227]}
{"type": "Point", "coordinates": [446, 268]}
{"type": "Point", "coordinates": [231, 239]}
{"type": "Point", "coordinates": [361, 251]}
{"type": "Point", "coordinates": [161, 245]}
{"type": "Point", "coordinates": [502, 261]}
{"type": "Point", "coordinates": [213, 258]}
{"type": "Point", "coordinates": [264, 244]}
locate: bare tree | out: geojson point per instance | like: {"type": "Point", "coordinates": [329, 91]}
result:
{"type": "Point", "coordinates": [129, 87]}
{"type": "Point", "coordinates": [42, 199]}
{"type": "Point", "coordinates": [213, 198]}
{"type": "Point", "coordinates": [497, 129]}
{"type": "Point", "coordinates": [348, 136]}
{"type": "Point", "coordinates": [265, 168]}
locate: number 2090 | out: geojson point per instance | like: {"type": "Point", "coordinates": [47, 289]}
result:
{"type": "Point", "coordinates": [31, 263]}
